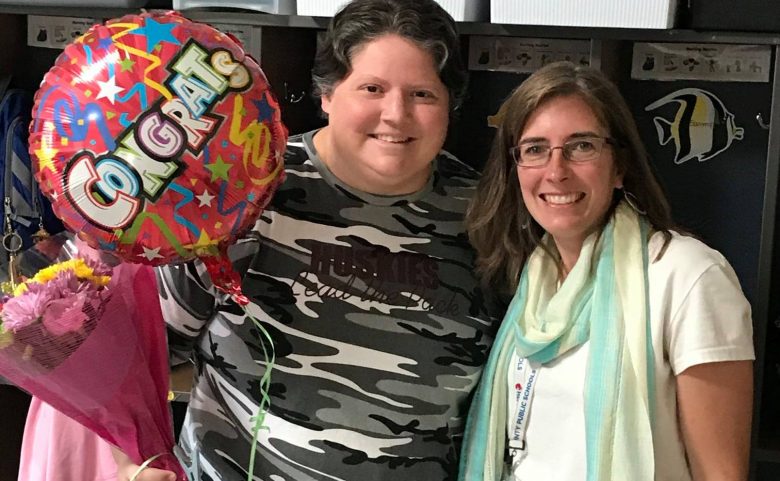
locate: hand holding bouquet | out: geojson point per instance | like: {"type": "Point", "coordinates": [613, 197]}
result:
{"type": "Point", "coordinates": [89, 340]}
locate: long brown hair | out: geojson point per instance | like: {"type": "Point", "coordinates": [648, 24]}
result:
{"type": "Point", "coordinates": [500, 228]}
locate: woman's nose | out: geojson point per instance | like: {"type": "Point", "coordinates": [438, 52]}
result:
{"type": "Point", "coordinates": [395, 107]}
{"type": "Point", "coordinates": [557, 166]}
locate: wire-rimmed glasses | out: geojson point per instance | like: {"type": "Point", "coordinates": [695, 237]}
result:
{"type": "Point", "coordinates": [579, 149]}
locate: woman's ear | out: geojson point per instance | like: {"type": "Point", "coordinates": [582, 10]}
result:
{"type": "Point", "coordinates": [619, 181]}
{"type": "Point", "coordinates": [325, 101]}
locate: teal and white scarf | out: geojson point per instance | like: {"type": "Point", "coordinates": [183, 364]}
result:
{"type": "Point", "coordinates": [603, 300]}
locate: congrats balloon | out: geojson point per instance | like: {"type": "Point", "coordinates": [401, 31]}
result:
{"type": "Point", "coordinates": [157, 139]}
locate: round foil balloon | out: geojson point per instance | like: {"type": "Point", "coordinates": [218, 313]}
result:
{"type": "Point", "coordinates": [157, 139]}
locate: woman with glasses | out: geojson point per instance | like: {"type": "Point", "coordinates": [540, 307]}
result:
{"type": "Point", "coordinates": [626, 352]}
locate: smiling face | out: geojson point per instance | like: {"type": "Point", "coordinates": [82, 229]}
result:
{"type": "Point", "coordinates": [569, 200]}
{"type": "Point", "coordinates": [387, 119]}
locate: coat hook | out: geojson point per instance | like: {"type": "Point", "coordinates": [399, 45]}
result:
{"type": "Point", "coordinates": [291, 97]}
{"type": "Point", "coordinates": [761, 122]}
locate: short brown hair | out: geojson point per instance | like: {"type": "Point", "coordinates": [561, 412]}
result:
{"type": "Point", "coordinates": [423, 22]}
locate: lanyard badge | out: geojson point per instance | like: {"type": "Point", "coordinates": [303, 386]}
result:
{"type": "Point", "coordinates": [524, 382]}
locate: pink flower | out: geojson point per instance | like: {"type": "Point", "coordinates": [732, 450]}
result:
{"type": "Point", "coordinates": [23, 310]}
{"type": "Point", "coordinates": [64, 285]}
{"type": "Point", "coordinates": [99, 268]}
{"type": "Point", "coordinates": [90, 289]}
{"type": "Point", "coordinates": [58, 303]}
{"type": "Point", "coordinates": [65, 315]}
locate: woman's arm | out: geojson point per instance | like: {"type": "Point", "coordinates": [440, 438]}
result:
{"type": "Point", "coordinates": [715, 403]}
{"type": "Point", "coordinates": [187, 300]}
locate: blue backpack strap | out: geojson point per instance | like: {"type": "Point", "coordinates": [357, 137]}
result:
{"type": "Point", "coordinates": [26, 213]}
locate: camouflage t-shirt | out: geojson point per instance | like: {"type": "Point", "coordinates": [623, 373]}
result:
{"type": "Point", "coordinates": [379, 328]}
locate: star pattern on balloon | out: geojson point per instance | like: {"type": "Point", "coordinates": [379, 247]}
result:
{"type": "Point", "coordinates": [105, 43]}
{"type": "Point", "coordinates": [126, 65]}
{"type": "Point", "coordinates": [46, 155]}
{"type": "Point", "coordinates": [205, 243]}
{"type": "Point", "coordinates": [151, 254]}
{"type": "Point", "coordinates": [204, 199]}
{"type": "Point", "coordinates": [219, 169]}
{"type": "Point", "coordinates": [156, 32]}
{"type": "Point", "coordinates": [264, 110]}
{"type": "Point", "coordinates": [109, 89]}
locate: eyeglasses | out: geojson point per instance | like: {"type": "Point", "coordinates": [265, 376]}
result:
{"type": "Point", "coordinates": [579, 149]}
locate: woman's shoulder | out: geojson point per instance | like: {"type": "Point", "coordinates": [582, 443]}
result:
{"type": "Point", "coordinates": [297, 152]}
{"type": "Point", "coordinates": [682, 255]}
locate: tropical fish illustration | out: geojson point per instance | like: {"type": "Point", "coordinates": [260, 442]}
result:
{"type": "Point", "coordinates": [702, 127]}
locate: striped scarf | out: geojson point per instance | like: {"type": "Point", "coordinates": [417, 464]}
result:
{"type": "Point", "coordinates": [603, 300]}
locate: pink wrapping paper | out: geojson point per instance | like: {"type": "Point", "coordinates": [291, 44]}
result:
{"type": "Point", "coordinates": [115, 380]}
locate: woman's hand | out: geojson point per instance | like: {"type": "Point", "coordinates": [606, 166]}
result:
{"type": "Point", "coordinates": [125, 469]}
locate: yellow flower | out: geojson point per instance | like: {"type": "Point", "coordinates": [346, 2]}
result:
{"type": "Point", "coordinates": [100, 281]}
{"type": "Point", "coordinates": [20, 289]}
{"type": "Point", "coordinates": [82, 270]}
{"type": "Point", "coordinates": [46, 274]}
{"type": "Point", "coordinates": [76, 265]}
{"type": "Point", "coordinates": [79, 268]}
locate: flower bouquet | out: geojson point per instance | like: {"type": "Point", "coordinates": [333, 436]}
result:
{"type": "Point", "coordinates": [89, 339]}
{"type": "Point", "coordinates": [50, 315]}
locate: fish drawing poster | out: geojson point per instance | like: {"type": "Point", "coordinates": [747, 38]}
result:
{"type": "Point", "coordinates": [696, 61]}
{"type": "Point", "coordinates": [701, 127]}
{"type": "Point", "coordinates": [710, 155]}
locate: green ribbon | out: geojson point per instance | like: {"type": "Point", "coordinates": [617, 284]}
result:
{"type": "Point", "coordinates": [265, 384]}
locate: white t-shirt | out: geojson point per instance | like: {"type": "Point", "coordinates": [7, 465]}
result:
{"type": "Point", "coordinates": [698, 315]}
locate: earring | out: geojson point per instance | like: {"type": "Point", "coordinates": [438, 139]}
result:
{"type": "Point", "coordinates": [633, 202]}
